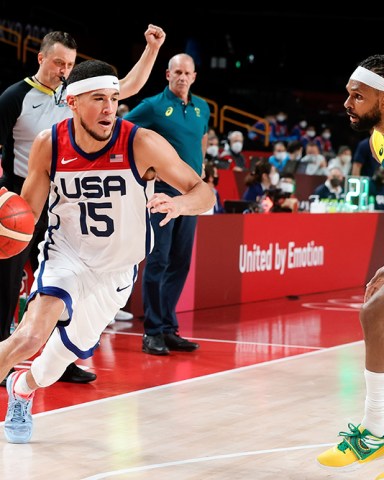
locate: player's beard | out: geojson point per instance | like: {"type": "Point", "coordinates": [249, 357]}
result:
{"type": "Point", "coordinates": [368, 121]}
{"type": "Point", "coordinates": [95, 135]}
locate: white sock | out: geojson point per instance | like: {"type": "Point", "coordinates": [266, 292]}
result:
{"type": "Point", "coordinates": [21, 386]}
{"type": "Point", "coordinates": [373, 419]}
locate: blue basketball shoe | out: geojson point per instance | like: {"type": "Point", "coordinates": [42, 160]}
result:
{"type": "Point", "coordinates": [18, 423]}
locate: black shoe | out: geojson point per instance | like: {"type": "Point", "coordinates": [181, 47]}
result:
{"type": "Point", "coordinates": [75, 374]}
{"type": "Point", "coordinates": [4, 382]}
{"type": "Point", "coordinates": [174, 342]}
{"type": "Point", "coordinates": [154, 345]}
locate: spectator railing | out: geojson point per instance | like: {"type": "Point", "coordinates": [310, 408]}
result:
{"type": "Point", "coordinates": [214, 111]}
{"type": "Point", "coordinates": [12, 38]}
{"type": "Point", "coordinates": [226, 113]}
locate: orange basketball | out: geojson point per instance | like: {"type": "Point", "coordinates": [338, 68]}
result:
{"type": "Point", "coordinates": [16, 224]}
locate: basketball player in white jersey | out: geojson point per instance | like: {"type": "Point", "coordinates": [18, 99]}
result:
{"type": "Point", "coordinates": [26, 108]}
{"type": "Point", "coordinates": [99, 173]}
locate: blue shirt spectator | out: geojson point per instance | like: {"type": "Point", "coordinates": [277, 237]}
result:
{"type": "Point", "coordinates": [280, 156]}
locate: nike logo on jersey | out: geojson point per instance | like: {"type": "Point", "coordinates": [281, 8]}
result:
{"type": "Point", "coordinates": [64, 161]}
{"type": "Point", "coordinates": [37, 106]}
{"type": "Point", "coordinates": [119, 289]}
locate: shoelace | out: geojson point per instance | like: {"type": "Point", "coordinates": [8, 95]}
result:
{"type": "Point", "coordinates": [354, 432]}
{"type": "Point", "coordinates": [19, 410]}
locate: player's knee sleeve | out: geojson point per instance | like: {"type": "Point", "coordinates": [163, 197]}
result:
{"type": "Point", "coordinates": [48, 367]}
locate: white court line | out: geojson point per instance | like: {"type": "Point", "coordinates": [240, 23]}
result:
{"type": "Point", "coordinates": [195, 379]}
{"type": "Point", "coordinates": [236, 342]}
{"type": "Point", "coordinates": [145, 468]}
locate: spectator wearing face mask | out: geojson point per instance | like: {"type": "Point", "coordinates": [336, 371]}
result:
{"type": "Point", "coordinates": [333, 187]}
{"type": "Point", "coordinates": [212, 153]}
{"type": "Point", "coordinates": [343, 160]}
{"type": "Point", "coordinates": [309, 137]}
{"type": "Point", "coordinates": [299, 129]}
{"type": "Point", "coordinates": [263, 177]}
{"type": "Point", "coordinates": [288, 200]}
{"type": "Point", "coordinates": [281, 198]}
{"type": "Point", "coordinates": [280, 131]}
{"type": "Point", "coordinates": [279, 157]}
{"type": "Point", "coordinates": [287, 184]}
{"type": "Point", "coordinates": [275, 200]}
{"type": "Point", "coordinates": [313, 162]}
{"type": "Point", "coordinates": [211, 176]}
{"type": "Point", "coordinates": [232, 152]}
{"type": "Point", "coordinates": [325, 142]}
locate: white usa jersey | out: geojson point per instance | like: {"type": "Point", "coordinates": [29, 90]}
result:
{"type": "Point", "coordinates": [97, 202]}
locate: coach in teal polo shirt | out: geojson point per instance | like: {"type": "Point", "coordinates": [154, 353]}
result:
{"type": "Point", "coordinates": [183, 124]}
{"type": "Point", "coordinates": [181, 118]}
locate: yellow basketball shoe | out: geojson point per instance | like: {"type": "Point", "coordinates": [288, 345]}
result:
{"type": "Point", "coordinates": [358, 447]}
{"type": "Point", "coordinates": [380, 477]}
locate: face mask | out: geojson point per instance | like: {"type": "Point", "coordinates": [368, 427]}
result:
{"type": "Point", "coordinates": [281, 118]}
{"type": "Point", "coordinates": [335, 182]}
{"type": "Point", "coordinates": [346, 158]}
{"type": "Point", "coordinates": [303, 124]}
{"type": "Point", "coordinates": [236, 147]}
{"type": "Point", "coordinates": [280, 155]}
{"type": "Point", "coordinates": [326, 136]}
{"type": "Point", "coordinates": [311, 133]}
{"type": "Point", "coordinates": [298, 156]}
{"type": "Point", "coordinates": [213, 150]}
{"type": "Point", "coordinates": [287, 187]}
{"type": "Point", "coordinates": [274, 178]}
{"type": "Point", "coordinates": [215, 181]}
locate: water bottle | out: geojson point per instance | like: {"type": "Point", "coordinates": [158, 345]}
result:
{"type": "Point", "coordinates": [371, 204]}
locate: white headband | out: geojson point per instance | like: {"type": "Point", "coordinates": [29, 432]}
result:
{"type": "Point", "coordinates": [93, 83]}
{"type": "Point", "coordinates": [368, 77]}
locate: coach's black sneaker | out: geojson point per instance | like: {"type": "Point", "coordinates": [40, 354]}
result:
{"type": "Point", "coordinates": [154, 345]}
{"type": "Point", "coordinates": [75, 374]}
{"type": "Point", "coordinates": [174, 342]}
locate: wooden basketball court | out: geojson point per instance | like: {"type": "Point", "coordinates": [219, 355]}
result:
{"type": "Point", "coordinates": [269, 389]}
